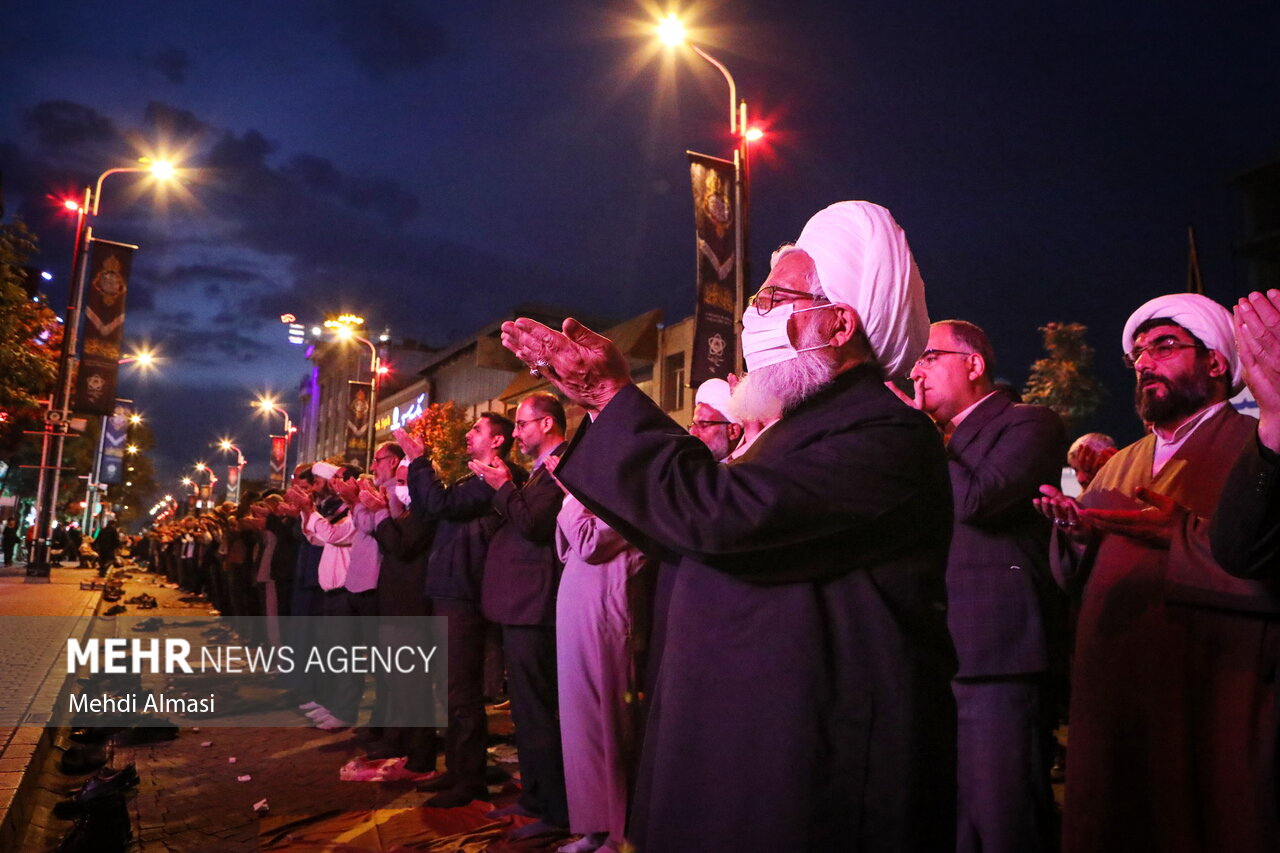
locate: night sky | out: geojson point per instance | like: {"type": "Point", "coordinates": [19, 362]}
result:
{"type": "Point", "coordinates": [429, 165]}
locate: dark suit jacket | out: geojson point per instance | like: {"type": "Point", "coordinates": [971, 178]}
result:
{"type": "Point", "coordinates": [466, 522]}
{"type": "Point", "coordinates": [1246, 526]}
{"type": "Point", "coordinates": [806, 623]}
{"type": "Point", "coordinates": [521, 570]}
{"type": "Point", "coordinates": [1003, 608]}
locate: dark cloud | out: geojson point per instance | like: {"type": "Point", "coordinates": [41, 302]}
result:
{"type": "Point", "coordinates": [386, 37]}
{"type": "Point", "coordinates": [67, 127]}
{"type": "Point", "coordinates": [212, 275]}
{"type": "Point", "coordinates": [174, 122]}
{"type": "Point", "coordinates": [378, 196]}
{"type": "Point", "coordinates": [172, 62]}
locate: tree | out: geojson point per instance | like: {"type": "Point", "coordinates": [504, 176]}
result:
{"type": "Point", "coordinates": [1063, 381]}
{"type": "Point", "coordinates": [442, 428]}
{"type": "Point", "coordinates": [30, 339]}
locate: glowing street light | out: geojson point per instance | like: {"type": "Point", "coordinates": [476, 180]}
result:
{"type": "Point", "coordinates": [269, 406]}
{"type": "Point", "coordinates": [59, 413]}
{"type": "Point", "coordinates": [233, 488]}
{"type": "Point", "coordinates": [671, 31]}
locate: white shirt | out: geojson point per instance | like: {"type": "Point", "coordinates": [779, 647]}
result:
{"type": "Point", "coordinates": [336, 538]}
{"type": "Point", "coordinates": [1166, 447]}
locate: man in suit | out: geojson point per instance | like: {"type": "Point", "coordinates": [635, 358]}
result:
{"type": "Point", "coordinates": [1003, 610]}
{"type": "Point", "coordinates": [521, 576]}
{"type": "Point", "coordinates": [807, 619]}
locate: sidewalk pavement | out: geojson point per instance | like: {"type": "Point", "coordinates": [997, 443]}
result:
{"type": "Point", "coordinates": [36, 618]}
{"type": "Point", "coordinates": [190, 798]}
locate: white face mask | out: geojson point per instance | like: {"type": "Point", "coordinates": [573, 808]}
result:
{"type": "Point", "coordinates": [402, 493]}
{"type": "Point", "coordinates": [765, 340]}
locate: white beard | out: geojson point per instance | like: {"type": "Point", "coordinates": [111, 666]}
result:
{"type": "Point", "coordinates": [766, 393]}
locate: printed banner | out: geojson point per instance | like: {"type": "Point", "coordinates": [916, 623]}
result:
{"type": "Point", "coordinates": [714, 335]}
{"type": "Point", "coordinates": [115, 435]}
{"type": "Point", "coordinates": [233, 483]}
{"type": "Point", "coordinates": [107, 280]}
{"type": "Point", "coordinates": [279, 445]}
{"type": "Point", "coordinates": [358, 414]}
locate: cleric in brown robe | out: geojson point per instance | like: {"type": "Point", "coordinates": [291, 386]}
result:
{"type": "Point", "coordinates": [803, 699]}
{"type": "Point", "coordinates": [1171, 736]}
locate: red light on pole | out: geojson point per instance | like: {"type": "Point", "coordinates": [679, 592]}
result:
{"type": "Point", "coordinates": [754, 134]}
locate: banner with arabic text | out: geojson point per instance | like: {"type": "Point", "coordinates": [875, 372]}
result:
{"type": "Point", "coordinates": [714, 334]}
{"type": "Point", "coordinates": [106, 285]}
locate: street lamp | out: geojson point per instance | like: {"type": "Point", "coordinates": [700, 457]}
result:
{"type": "Point", "coordinates": [268, 405]}
{"type": "Point", "coordinates": [344, 330]}
{"type": "Point", "coordinates": [671, 31]}
{"type": "Point", "coordinates": [56, 419]}
{"type": "Point", "coordinates": [213, 480]}
{"type": "Point", "coordinates": [233, 489]}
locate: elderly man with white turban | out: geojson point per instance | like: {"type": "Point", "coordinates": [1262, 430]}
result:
{"type": "Point", "coordinates": [1171, 732]}
{"type": "Point", "coordinates": [807, 624]}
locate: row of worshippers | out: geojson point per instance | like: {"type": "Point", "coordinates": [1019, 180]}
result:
{"type": "Point", "coordinates": [871, 600]}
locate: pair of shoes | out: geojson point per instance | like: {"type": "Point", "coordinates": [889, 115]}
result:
{"type": "Point", "coordinates": [105, 829]}
{"type": "Point", "coordinates": [104, 784]}
{"type": "Point", "coordinates": [152, 624]}
{"type": "Point", "coordinates": [588, 843]}
{"type": "Point", "coordinates": [513, 810]}
{"type": "Point", "coordinates": [144, 601]}
{"type": "Point", "coordinates": [330, 723]}
{"type": "Point", "coordinates": [455, 798]}
{"type": "Point", "coordinates": [114, 610]}
{"type": "Point", "coordinates": [83, 758]}
{"type": "Point", "coordinates": [538, 827]}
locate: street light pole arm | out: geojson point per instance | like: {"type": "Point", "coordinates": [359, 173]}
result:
{"type": "Point", "coordinates": [97, 192]}
{"type": "Point", "coordinates": [733, 87]}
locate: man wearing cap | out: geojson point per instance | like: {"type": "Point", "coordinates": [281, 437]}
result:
{"type": "Point", "coordinates": [807, 621]}
{"type": "Point", "coordinates": [1171, 735]}
{"type": "Point", "coordinates": [712, 424]}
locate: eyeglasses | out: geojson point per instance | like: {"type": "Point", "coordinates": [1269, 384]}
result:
{"type": "Point", "coordinates": [1159, 351]}
{"type": "Point", "coordinates": [705, 424]}
{"type": "Point", "coordinates": [772, 296]}
{"type": "Point", "coordinates": [384, 458]}
{"type": "Point", "coordinates": [521, 424]}
{"type": "Point", "coordinates": [929, 356]}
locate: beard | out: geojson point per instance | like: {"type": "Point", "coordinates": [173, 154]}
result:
{"type": "Point", "coordinates": [1183, 397]}
{"type": "Point", "coordinates": [766, 393]}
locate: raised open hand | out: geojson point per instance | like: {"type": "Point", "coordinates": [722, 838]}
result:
{"type": "Point", "coordinates": [585, 366]}
{"type": "Point", "coordinates": [1257, 322]}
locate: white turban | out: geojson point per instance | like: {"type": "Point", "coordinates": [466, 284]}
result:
{"type": "Point", "coordinates": [1200, 316]}
{"type": "Point", "coordinates": [863, 261]}
{"type": "Point", "coordinates": [715, 393]}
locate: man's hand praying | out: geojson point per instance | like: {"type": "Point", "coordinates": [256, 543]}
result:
{"type": "Point", "coordinates": [585, 366]}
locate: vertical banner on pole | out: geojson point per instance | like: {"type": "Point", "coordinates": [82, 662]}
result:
{"type": "Point", "coordinates": [108, 283]}
{"type": "Point", "coordinates": [115, 432]}
{"type": "Point", "coordinates": [275, 476]}
{"type": "Point", "coordinates": [714, 334]}
{"type": "Point", "coordinates": [358, 414]}
{"type": "Point", "coordinates": [206, 496]}
{"type": "Point", "coordinates": [233, 483]}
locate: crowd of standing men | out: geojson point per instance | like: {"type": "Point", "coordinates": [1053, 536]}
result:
{"type": "Point", "coordinates": [882, 599]}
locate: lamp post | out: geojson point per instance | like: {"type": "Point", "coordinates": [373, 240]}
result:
{"type": "Point", "coordinates": [672, 32]}
{"type": "Point", "coordinates": [345, 332]}
{"type": "Point", "coordinates": [268, 405]}
{"type": "Point", "coordinates": [56, 419]}
{"type": "Point", "coordinates": [233, 489]}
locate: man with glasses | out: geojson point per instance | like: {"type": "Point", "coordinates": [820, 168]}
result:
{"type": "Point", "coordinates": [807, 623]}
{"type": "Point", "coordinates": [1003, 609]}
{"type": "Point", "coordinates": [712, 424]}
{"type": "Point", "coordinates": [521, 578]}
{"type": "Point", "coordinates": [1171, 736]}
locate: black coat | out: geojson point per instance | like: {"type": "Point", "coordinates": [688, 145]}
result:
{"type": "Point", "coordinates": [522, 571]}
{"type": "Point", "coordinates": [465, 522]}
{"type": "Point", "coordinates": [803, 701]}
{"type": "Point", "coordinates": [1003, 607]}
{"type": "Point", "coordinates": [1246, 526]}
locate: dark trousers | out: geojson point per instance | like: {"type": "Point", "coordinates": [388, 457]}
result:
{"type": "Point", "coordinates": [465, 738]}
{"type": "Point", "coordinates": [349, 621]}
{"type": "Point", "coordinates": [1005, 800]}
{"type": "Point", "coordinates": [530, 651]}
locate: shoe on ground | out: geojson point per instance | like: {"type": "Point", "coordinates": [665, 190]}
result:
{"type": "Point", "coordinates": [538, 827]}
{"type": "Point", "coordinates": [436, 784]}
{"type": "Point", "coordinates": [317, 713]}
{"type": "Point", "coordinates": [330, 723]}
{"type": "Point", "coordinates": [310, 706]}
{"type": "Point", "coordinates": [455, 798]}
{"type": "Point", "coordinates": [513, 810]}
{"type": "Point", "coordinates": [588, 843]}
